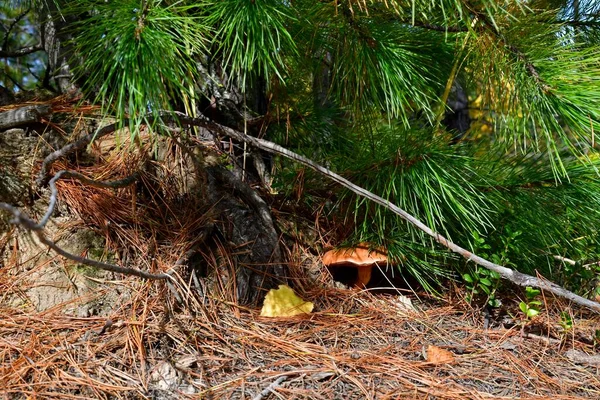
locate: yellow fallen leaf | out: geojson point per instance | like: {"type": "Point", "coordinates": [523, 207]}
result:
{"type": "Point", "coordinates": [283, 302]}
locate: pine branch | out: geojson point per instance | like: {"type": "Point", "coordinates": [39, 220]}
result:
{"type": "Point", "coordinates": [438, 28]}
{"type": "Point", "coordinates": [492, 28]}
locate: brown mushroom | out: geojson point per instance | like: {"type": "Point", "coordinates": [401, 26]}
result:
{"type": "Point", "coordinates": [362, 257]}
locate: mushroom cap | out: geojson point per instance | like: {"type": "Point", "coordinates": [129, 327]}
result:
{"type": "Point", "coordinates": [361, 255]}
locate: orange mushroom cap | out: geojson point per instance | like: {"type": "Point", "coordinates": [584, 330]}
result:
{"type": "Point", "coordinates": [362, 257]}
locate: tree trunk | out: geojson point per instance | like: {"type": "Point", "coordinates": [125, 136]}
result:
{"type": "Point", "coordinates": [245, 221]}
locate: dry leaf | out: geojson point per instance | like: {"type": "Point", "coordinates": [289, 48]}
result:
{"type": "Point", "coordinates": [439, 356]}
{"type": "Point", "coordinates": [283, 302]}
{"type": "Point", "coordinates": [404, 304]}
{"type": "Point", "coordinates": [164, 376]}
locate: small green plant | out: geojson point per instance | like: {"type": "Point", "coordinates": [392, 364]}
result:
{"type": "Point", "coordinates": [508, 239]}
{"type": "Point", "coordinates": [566, 321]}
{"type": "Point", "coordinates": [596, 338]}
{"type": "Point", "coordinates": [581, 275]}
{"type": "Point", "coordinates": [530, 307]}
{"type": "Point", "coordinates": [484, 281]}
{"type": "Point", "coordinates": [481, 280]}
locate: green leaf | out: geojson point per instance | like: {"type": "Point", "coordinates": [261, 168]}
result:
{"type": "Point", "coordinates": [493, 302]}
{"type": "Point", "coordinates": [532, 312]}
{"type": "Point", "coordinates": [486, 282]}
{"type": "Point", "coordinates": [524, 307]}
{"type": "Point", "coordinates": [531, 292]}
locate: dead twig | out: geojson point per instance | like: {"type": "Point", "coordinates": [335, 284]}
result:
{"type": "Point", "coordinates": [68, 149]}
{"type": "Point", "coordinates": [23, 220]}
{"type": "Point", "coordinates": [271, 388]}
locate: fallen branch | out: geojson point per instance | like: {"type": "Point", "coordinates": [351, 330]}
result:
{"type": "Point", "coordinates": [23, 116]}
{"type": "Point", "coordinates": [513, 276]}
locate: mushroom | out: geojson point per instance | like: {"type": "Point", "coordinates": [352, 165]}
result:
{"type": "Point", "coordinates": [362, 257]}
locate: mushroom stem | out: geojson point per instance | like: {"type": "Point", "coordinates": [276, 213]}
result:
{"type": "Point", "coordinates": [364, 275]}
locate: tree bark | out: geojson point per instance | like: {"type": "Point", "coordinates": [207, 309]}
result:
{"type": "Point", "coordinates": [245, 221]}
{"type": "Point", "coordinates": [55, 40]}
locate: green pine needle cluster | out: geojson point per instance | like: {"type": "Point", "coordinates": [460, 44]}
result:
{"type": "Point", "coordinates": [253, 37]}
{"type": "Point", "coordinates": [543, 85]}
{"type": "Point", "coordinates": [136, 56]}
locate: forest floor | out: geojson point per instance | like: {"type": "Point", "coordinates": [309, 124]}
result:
{"type": "Point", "coordinates": [355, 345]}
{"type": "Point", "coordinates": [70, 332]}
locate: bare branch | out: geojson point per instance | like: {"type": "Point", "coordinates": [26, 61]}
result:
{"type": "Point", "coordinates": [72, 174]}
{"type": "Point", "coordinates": [12, 25]}
{"type": "Point", "coordinates": [21, 52]}
{"type": "Point", "coordinates": [116, 184]}
{"type": "Point", "coordinates": [22, 219]}
{"type": "Point", "coordinates": [14, 81]}
{"type": "Point", "coordinates": [99, 264]}
{"type": "Point", "coordinates": [23, 116]}
{"type": "Point", "coordinates": [77, 145]}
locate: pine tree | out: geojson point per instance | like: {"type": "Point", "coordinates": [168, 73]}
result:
{"type": "Point", "coordinates": [477, 117]}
